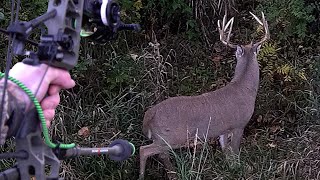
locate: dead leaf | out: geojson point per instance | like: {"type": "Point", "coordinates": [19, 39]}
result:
{"type": "Point", "coordinates": [134, 56]}
{"type": "Point", "coordinates": [216, 60]}
{"type": "Point", "coordinates": [272, 145]}
{"type": "Point", "coordinates": [259, 119]}
{"type": "Point", "coordinates": [84, 131]}
{"type": "Point", "coordinates": [221, 82]}
{"type": "Point", "coordinates": [275, 128]}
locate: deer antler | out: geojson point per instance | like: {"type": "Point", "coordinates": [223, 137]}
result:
{"type": "Point", "coordinates": [226, 40]}
{"type": "Point", "coordinates": [224, 26]}
{"type": "Point", "coordinates": [263, 23]}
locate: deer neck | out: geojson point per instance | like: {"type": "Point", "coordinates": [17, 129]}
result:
{"type": "Point", "coordinates": [247, 75]}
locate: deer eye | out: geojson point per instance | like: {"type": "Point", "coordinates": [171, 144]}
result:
{"type": "Point", "coordinates": [239, 51]}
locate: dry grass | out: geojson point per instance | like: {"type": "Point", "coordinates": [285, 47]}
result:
{"type": "Point", "coordinates": [116, 84]}
{"type": "Point", "coordinates": [269, 150]}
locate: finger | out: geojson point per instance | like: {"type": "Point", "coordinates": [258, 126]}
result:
{"type": "Point", "coordinates": [60, 77]}
{"type": "Point", "coordinates": [50, 102]}
{"type": "Point", "coordinates": [49, 115]}
{"type": "Point", "coordinates": [54, 89]}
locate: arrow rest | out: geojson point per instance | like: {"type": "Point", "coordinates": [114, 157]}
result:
{"type": "Point", "coordinates": [66, 22]}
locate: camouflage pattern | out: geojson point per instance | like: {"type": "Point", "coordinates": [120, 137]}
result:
{"type": "Point", "coordinates": [13, 107]}
{"type": "Point", "coordinates": [5, 116]}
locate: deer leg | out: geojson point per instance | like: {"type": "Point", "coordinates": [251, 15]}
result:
{"type": "Point", "coordinates": [232, 145]}
{"type": "Point", "coordinates": [232, 150]}
{"type": "Point", "coordinates": [223, 140]}
{"type": "Point", "coordinates": [236, 140]}
{"type": "Point", "coordinates": [147, 151]}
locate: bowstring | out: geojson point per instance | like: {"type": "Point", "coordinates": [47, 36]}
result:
{"type": "Point", "coordinates": [11, 39]}
{"type": "Point", "coordinates": [9, 54]}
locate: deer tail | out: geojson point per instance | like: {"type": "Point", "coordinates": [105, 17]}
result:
{"type": "Point", "coordinates": [148, 116]}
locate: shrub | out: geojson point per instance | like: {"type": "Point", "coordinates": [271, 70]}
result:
{"type": "Point", "coordinates": [288, 18]}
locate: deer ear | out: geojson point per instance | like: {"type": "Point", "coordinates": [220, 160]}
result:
{"type": "Point", "coordinates": [239, 51]}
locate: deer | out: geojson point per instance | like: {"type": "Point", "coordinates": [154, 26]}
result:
{"type": "Point", "coordinates": [219, 114]}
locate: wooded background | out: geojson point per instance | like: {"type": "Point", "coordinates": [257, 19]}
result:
{"type": "Point", "coordinates": [179, 53]}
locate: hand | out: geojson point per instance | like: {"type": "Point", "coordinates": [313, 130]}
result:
{"type": "Point", "coordinates": [54, 80]}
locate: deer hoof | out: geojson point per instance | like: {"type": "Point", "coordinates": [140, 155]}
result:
{"type": "Point", "coordinates": [172, 175]}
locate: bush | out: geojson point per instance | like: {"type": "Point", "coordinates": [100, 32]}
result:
{"type": "Point", "coordinates": [288, 18]}
{"type": "Point", "coordinates": [169, 17]}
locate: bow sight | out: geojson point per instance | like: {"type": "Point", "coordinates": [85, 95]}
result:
{"type": "Point", "coordinates": [101, 21]}
{"type": "Point", "coordinates": [66, 22]}
{"type": "Point", "coordinates": [98, 20]}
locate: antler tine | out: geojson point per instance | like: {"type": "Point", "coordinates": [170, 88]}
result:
{"type": "Point", "coordinates": [230, 22]}
{"type": "Point", "coordinates": [224, 22]}
{"type": "Point", "coordinates": [263, 23]}
{"type": "Point", "coordinates": [222, 28]}
{"type": "Point", "coordinates": [257, 19]}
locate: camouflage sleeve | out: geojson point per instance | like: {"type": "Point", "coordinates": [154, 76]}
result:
{"type": "Point", "coordinates": [14, 107]}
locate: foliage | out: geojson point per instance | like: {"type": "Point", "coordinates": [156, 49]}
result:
{"type": "Point", "coordinates": [1, 16]}
{"type": "Point", "coordinates": [288, 18]}
{"type": "Point", "coordinates": [176, 16]}
{"type": "Point", "coordinates": [272, 65]}
{"type": "Point", "coordinates": [206, 13]}
{"type": "Point", "coordinates": [285, 75]}
{"type": "Point", "coordinates": [118, 81]}
{"type": "Point", "coordinates": [131, 10]}
{"type": "Point", "coordinates": [169, 8]}
{"type": "Point", "coordinates": [28, 11]}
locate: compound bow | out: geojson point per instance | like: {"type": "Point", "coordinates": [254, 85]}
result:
{"type": "Point", "coordinates": [66, 21]}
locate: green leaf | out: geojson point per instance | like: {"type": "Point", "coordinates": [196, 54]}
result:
{"type": "Point", "coordinates": [175, 5]}
{"type": "Point", "coordinates": [191, 23]}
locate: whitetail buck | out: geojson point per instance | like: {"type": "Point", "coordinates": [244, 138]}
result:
{"type": "Point", "coordinates": [220, 113]}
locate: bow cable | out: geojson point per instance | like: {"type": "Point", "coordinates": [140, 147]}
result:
{"type": "Point", "coordinates": [9, 55]}
{"type": "Point", "coordinates": [34, 100]}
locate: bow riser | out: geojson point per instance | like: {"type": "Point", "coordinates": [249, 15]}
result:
{"type": "Point", "coordinates": [64, 31]}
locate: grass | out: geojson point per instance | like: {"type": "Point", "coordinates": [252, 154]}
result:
{"type": "Point", "coordinates": [261, 157]}
{"type": "Point", "coordinates": [281, 141]}
{"type": "Point", "coordinates": [116, 84]}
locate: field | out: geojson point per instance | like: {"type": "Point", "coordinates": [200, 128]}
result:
{"type": "Point", "coordinates": [179, 53]}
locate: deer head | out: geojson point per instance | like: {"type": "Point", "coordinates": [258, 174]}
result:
{"type": "Point", "coordinates": [247, 68]}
